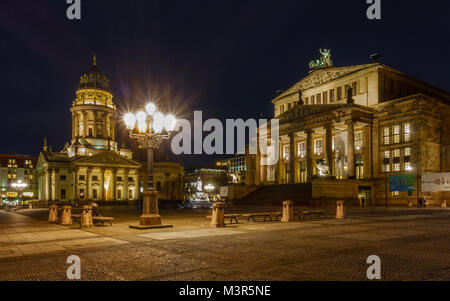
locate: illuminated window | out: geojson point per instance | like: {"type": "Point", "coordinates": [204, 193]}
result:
{"type": "Point", "coordinates": [386, 136]}
{"type": "Point", "coordinates": [302, 149]}
{"type": "Point", "coordinates": [12, 163]}
{"type": "Point", "coordinates": [318, 146]}
{"type": "Point", "coordinates": [396, 158]}
{"type": "Point", "coordinates": [286, 151]}
{"type": "Point", "coordinates": [359, 138]}
{"type": "Point", "coordinates": [407, 159]}
{"type": "Point", "coordinates": [396, 133]}
{"type": "Point", "coordinates": [386, 161]}
{"type": "Point", "coordinates": [407, 132]}
{"type": "Point", "coordinates": [395, 193]}
{"type": "Point", "coordinates": [130, 194]}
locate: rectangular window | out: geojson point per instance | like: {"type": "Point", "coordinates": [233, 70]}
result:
{"type": "Point", "coordinates": [81, 193]}
{"type": "Point", "coordinates": [82, 178]}
{"type": "Point", "coordinates": [386, 161]}
{"type": "Point", "coordinates": [407, 132]}
{"type": "Point", "coordinates": [359, 138]}
{"type": "Point", "coordinates": [325, 97]}
{"type": "Point", "coordinates": [130, 194]}
{"type": "Point", "coordinates": [386, 136]}
{"type": "Point", "coordinates": [119, 194]}
{"type": "Point", "coordinates": [62, 178]}
{"type": "Point", "coordinates": [289, 106]}
{"type": "Point", "coordinates": [63, 194]}
{"type": "Point", "coordinates": [396, 157]}
{"type": "Point", "coordinates": [130, 179]}
{"type": "Point", "coordinates": [119, 179]}
{"type": "Point", "coordinates": [313, 99]}
{"type": "Point", "coordinates": [302, 149]}
{"type": "Point", "coordinates": [319, 99]}
{"type": "Point", "coordinates": [339, 93]}
{"type": "Point", "coordinates": [407, 159]}
{"type": "Point", "coordinates": [318, 146]}
{"type": "Point", "coordinates": [94, 178]}
{"type": "Point", "coordinates": [286, 152]}
{"type": "Point", "coordinates": [332, 95]}
{"type": "Point", "coordinates": [94, 193]}
{"type": "Point", "coordinates": [396, 134]}
{"type": "Point", "coordinates": [354, 87]}
{"type": "Point", "coordinates": [307, 101]}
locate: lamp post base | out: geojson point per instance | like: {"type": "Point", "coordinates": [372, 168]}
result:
{"type": "Point", "coordinates": [150, 218]}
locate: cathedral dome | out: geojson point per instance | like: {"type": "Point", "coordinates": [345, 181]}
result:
{"type": "Point", "coordinates": [94, 79]}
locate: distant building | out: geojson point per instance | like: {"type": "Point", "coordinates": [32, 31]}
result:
{"type": "Point", "coordinates": [236, 168]}
{"type": "Point", "coordinates": [14, 169]}
{"type": "Point", "coordinates": [211, 178]}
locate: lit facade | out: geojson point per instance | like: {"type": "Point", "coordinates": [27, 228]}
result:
{"type": "Point", "coordinates": [92, 167]}
{"type": "Point", "coordinates": [15, 168]}
{"type": "Point", "coordinates": [345, 130]}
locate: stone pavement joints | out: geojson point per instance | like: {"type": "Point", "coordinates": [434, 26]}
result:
{"type": "Point", "coordinates": [411, 247]}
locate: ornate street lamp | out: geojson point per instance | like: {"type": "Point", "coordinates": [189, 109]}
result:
{"type": "Point", "coordinates": [19, 186]}
{"type": "Point", "coordinates": [150, 128]}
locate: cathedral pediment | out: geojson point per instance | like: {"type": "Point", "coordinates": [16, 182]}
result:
{"type": "Point", "coordinates": [107, 158]}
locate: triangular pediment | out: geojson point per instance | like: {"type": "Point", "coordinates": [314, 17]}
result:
{"type": "Point", "coordinates": [108, 158]}
{"type": "Point", "coordinates": [322, 76]}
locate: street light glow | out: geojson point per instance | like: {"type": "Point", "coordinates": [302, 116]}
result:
{"type": "Point", "coordinates": [141, 117]}
{"type": "Point", "coordinates": [130, 120]}
{"type": "Point", "coordinates": [169, 122]}
{"type": "Point", "coordinates": [150, 108]}
{"type": "Point", "coordinates": [158, 122]}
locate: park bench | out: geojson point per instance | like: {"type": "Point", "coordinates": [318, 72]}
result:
{"type": "Point", "coordinates": [96, 219]}
{"type": "Point", "coordinates": [232, 217]}
{"type": "Point", "coordinates": [268, 216]}
{"type": "Point", "coordinates": [310, 213]}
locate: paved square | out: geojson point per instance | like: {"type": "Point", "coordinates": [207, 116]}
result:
{"type": "Point", "coordinates": [413, 244]}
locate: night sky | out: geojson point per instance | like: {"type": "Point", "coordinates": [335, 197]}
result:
{"type": "Point", "coordinates": [226, 58]}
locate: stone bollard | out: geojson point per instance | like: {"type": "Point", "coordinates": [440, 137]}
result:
{"type": "Point", "coordinates": [410, 204]}
{"type": "Point", "coordinates": [86, 216]}
{"type": "Point", "coordinates": [66, 218]}
{"type": "Point", "coordinates": [340, 210]}
{"type": "Point", "coordinates": [217, 218]}
{"type": "Point", "coordinates": [53, 214]}
{"type": "Point", "coordinates": [288, 212]}
{"type": "Point", "coordinates": [444, 204]}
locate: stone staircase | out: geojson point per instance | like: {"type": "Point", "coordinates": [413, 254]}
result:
{"type": "Point", "coordinates": [274, 195]}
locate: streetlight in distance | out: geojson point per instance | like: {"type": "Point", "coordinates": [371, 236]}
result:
{"type": "Point", "coordinates": [19, 186]}
{"type": "Point", "coordinates": [150, 128]}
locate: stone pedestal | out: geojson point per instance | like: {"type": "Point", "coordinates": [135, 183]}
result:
{"type": "Point", "coordinates": [340, 210]}
{"type": "Point", "coordinates": [66, 218]}
{"type": "Point", "coordinates": [150, 215]}
{"type": "Point", "coordinates": [86, 216]}
{"type": "Point", "coordinates": [288, 212]}
{"type": "Point", "coordinates": [218, 218]}
{"type": "Point", "coordinates": [53, 214]}
{"type": "Point", "coordinates": [444, 204]}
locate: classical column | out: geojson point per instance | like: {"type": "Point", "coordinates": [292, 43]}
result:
{"type": "Point", "coordinates": [73, 125]}
{"type": "Point", "coordinates": [85, 124]}
{"type": "Point", "coordinates": [329, 147]}
{"type": "Point", "coordinates": [88, 183]}
{"type": "Point", "coordinates": [76, 190]}
{"type": "Point", "coordinates": [47, 184]}
{"type": "Point", "coordinates": [113, 182]}
{"type": "Point", "coordinates": [95, 123]}
{"type": "Point", "coordinates": [126, 172]}
{"type": "Point", "coordinates": [102, 185]}
{"type": "Point", "coordinates": [309, 162]}
{"type": "Point", "coordinates": [292, 158]}
{"type": "Point", "coordinates": [350, 149]}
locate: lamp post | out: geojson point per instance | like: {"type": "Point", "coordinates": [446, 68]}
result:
{"type": "Point", "coordinates": [150, 128]}
{"type": "Point", "coordinates": [19, 186]}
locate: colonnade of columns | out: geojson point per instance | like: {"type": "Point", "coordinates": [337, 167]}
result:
{"type": "Point", "coordinates": [101, 120]}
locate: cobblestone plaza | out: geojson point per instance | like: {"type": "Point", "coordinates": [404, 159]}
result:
{"type": "Point", "coordinates": [413, 244]}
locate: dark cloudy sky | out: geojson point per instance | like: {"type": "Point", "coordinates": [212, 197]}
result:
{"type": "Point", "coordinates": [226, 58]}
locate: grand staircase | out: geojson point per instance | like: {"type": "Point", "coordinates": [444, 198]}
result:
{"type": "Point", "coordinates": [274, 195]}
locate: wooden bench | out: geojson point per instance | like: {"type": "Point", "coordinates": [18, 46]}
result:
{"type": "Point", "coordinates": [232, 217]}
{"type": "Point", "coordinates": [310, 213]}
{"type": "Point", "coordinates": [96, 219]}
{"type": "Point", "coordinates": [268, 216]}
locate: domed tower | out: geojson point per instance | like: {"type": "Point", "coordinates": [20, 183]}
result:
{"type": "Point", "coordinates": [93, 115]}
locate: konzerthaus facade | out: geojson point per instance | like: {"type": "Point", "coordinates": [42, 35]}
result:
{"type": "Point", "coordinates": [92, 167]}
{"type": "Point", "coordinates": [345, 130]}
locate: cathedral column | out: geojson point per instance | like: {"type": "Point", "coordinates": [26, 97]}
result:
{"type": "Point", "coordinates": [85, 124]}
{"type": "Point", "coordinates": [76, 190]}
{"type": "Point", "coordinates": [102, 185]}
{"type": "Point", "coordinates": [52, 185]}
{"type": "Point", "coordinates": [73, 125]}
{"type": "Point", "coordinates": [329, 147]}
{"type": "Point", "coordinates": [88, 183]}
{"type": "Point", "coordinates": [47, 184]}
{"type": "Point", "coordinates": [309, 162]}
{"type": "Point", "coordinates": [126, 183]}
{"type": "Point", "coordinates": [105, 132]}
{"type": "Point", "coordinates": [95, 123]}
{"type": "Point", "coordinates": [292, 158]}
{"type": "Point", "coordinates": [351, 149]}
{"type": "Point", "coordinates": [113, 181]}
